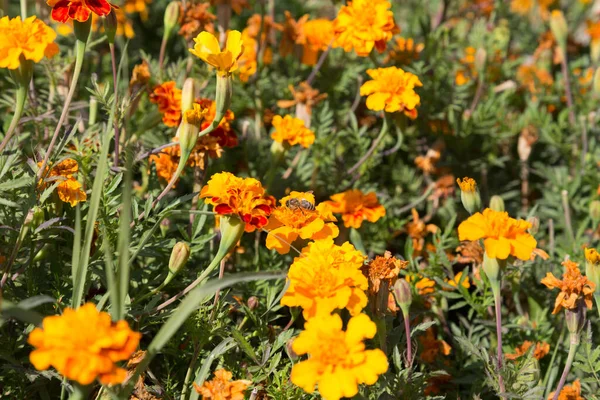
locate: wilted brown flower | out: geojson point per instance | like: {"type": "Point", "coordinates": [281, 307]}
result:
{"type": "Point", "coordinates": [383, 269]}
{"type": "Point", "coordinates": [197, 18]}
{"type": "Point", "coordinates": [470, 252]}
{"type": "Point", "coordinates": [574, 287]}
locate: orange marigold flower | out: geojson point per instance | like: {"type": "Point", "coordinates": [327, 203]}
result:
{"type": "Point", "coordinates": [224, 132]}
{"type": "Point", "coordinates": [392, 90]}
{"type": "Point", "coordinates": [69, 189]}
{"type": "Point", "coordinates": [569, 392]}
{"type": "Point", "coordinates": [290, 131]}
{"type": "Point", "coordinates": [593, 30]}
{"type": "Point", "coordinates": [318, 35]}
{"type": "Point", "coordinates": [166, 164]}
{"type": "Point", "coordinates": [79, 10]}
{"type": "Point", "coordinates": [244, 197]}
{"type": "Point", "coordinates": [364, 24]}
{"type": "Point", "coordinates": [197, 18]}
{"type": "Point", "coordinates": [534, 79]}
{"type": "Point", "coordinates": [326, 277]}
{"type": "Point", "coordinates": [540, 351]}
{"type": "Point", "coordinates": [286, 223]}
{"type": "Point", "coordinates": [417, 229]}
{"type": "Point", "coordinates": [503, 236]}
{"type": "Point", "coordinates": [248, 61]}
{"type": "Point", "coordinates": [355, 207]}
{"type": "Point", "coordinates": [383, 269]}
{"type": "Point", "coordinates": [20, 40]}
{"type": "Point", "coordinates": [338, 361]}
{"type": "Point", "coordinates": [221, 387]}
{"type": "Point", "coordinates": [424, 285]}
{"type": "Point", "coordinates": [83, 344]}
{"type": "Point", "coordinates": [433, 347]}
{"type": "Point", "coordinates": [574, 287]}
{"type": "Point", "coordinates": [305, 97]}
{"type": "Point", "coordinates": [168, 98]}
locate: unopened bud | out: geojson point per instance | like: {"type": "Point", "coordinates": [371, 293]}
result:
{"type": "Point", "coordinates": [253, 302]}
{"type": "Point", "coordinates": [110, 26]}
{"type": "Point", "coordinates": [171, 17]}
{"type": "Point", "coordinates": [179, 257]}
{"type": "Point", "coordinates": [469, 194]}
{"type": "Point", "coordinates": [497, 203]}
{"type": "Point", "coordinates": [535, 225]}
{"type": "Point", "coordinates": [277, 150]}
{"type": "Point", "coordinates": [595, 211]}
{"type": "Point", "coordinates": [480, 58]}
{"type": "Point", "coordinates": [188, 95]}
{"type": "Point", "coordinates": [592, 266]}
{"type": "Point", "coordinates": [188, 131]}
{"type": "Point", "coordinates": [558, 26]}
{"type": "Point", "coordinates": [165, 225]}
{"type": "Point", "coordinates": [403, 295]}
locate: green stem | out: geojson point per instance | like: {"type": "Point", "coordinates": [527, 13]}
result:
{"type": "Point", "coordinates": [79, 392]}
{"type": "Point", "coordinates": [408, 338]}
{"type": "Point", "coordinates": [23, 9]}
{"type": "Point", "coordinates": [79, 56]}
{"type": "Point", "coordinates": [115, 85]}
{"type": "Point", "coordinates": [498, 307]}
{"type": "Point", "coordinates": [376, 142]}
{"type": "Point", "coordinates": [21, 97]}
{"type": "Point", "coordinates": [573, 343]}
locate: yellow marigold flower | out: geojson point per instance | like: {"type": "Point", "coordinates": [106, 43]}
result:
{"type": "Point", "coordinates": [355, 207]}
{"type": "Point", "coordinates": [318, 34]}
{"type": "Point", "coordinates": [83, 345]}
{"type": "Point", "coordinates": [457, 277]}
{"type": "Point", "coordinates": [569, 392]}
{"type": "Point", "coordinates": [221, 387]}
{"type": "Point", "coordinates": [383, 269]}
{"type": "Point", "coordinates": [69, 189]}
{"type": "Point", "coordinates": [20, 40]}
{"type": "Point", "coordinates": [467, 184]}
{"type": "Point", "coordinates": [592, 255]}
{"type": "Point", "coordinates": [540, 351]}
{"type": "Point", "coordinates": [137, 6]}
{"type": "Point", "coordinates": [574, 287]}
{"type": "Point", "coordinates": [286, 223]}
{"type": "Point", "coordinates": [432, 347]}
{"type": "Point", "coordinates": [338, 361]}
{"type": "Point", "coordinates": [290, 131]}
{"type": "Point", "coordinates": [208, 50]}
{"type": "Point", "coordinates": [326, 277]}
{"type": "Point", "coordinates": [392, 90]}
{"type": "Point", "coordinates": [503, 236]}
{"type": "Point", "coordinates": [364, 24]}
{"type": "Point", "coordinates": [244, 197]}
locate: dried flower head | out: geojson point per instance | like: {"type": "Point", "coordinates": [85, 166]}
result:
{"type": "Point", "coordinates": [306, 96]}
{"type": "Point", "coordinates": [287, 224]}
{"type": "Point", "coordinates": [291, 131]}
{"type": "Point", "coordinates": [355, 207]}
{"type": "Point", "coordinates": [221, 387]}
{"type": "Point", "coordinates": [574, 287]}
{"type": "Point", "coordinates": [383, 269]}
{"type": "Point", "coordinates": [392, 90]}
{"type": "Point", "coordinates": [293, 33]}
{"type": "Point", "coordinates": [326, 277]}
{"type": "Point", "coordinates": [69, 189]}
{"type": "Point", "coordinates": [244, 197]}
{"type": "Point", "coordinates": [503, 236]}
{"type": "Point", "coordinates": [363, 24]}
{"type": "Point", "coordinates": [338, 360]}
{"type": "Point", "coordinates": [417, 230]}
{"type": "Point", "coordinates": [140, 75]}
{"type": "Point", "coordinates": [168, 98]}
{"type": "Point", "coordinates": [30, 39]}
{"type": "Point", "coordinates": [83, 344]}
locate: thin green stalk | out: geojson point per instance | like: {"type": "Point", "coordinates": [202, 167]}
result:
{"type": "Point", "coordinates": [21, 97]}
{"type": "Point", "coordinates": [573, 343]}
{"type": "Point", "coordinates": [115, 86]}
{"type": "Point", "coordinates": [79, 56]}
{"type": "Point", "coordinates": [546, 382]}
{"type": "Point", "coordinates": [498, 307]}
{"type": "Point", "coordinates": [408, 339]}
{"type": "Point", "coordinates": [23, 10]}
{"type": "Point", "coordinates": [376, 142]}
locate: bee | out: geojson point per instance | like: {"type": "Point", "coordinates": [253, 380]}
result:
{"type": "Point", "coordinates": [299, 204]}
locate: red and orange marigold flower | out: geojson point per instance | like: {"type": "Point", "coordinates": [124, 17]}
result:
{"type": "Point", "coordinates": [574, 287]}
{"type": "Point", "coordinates": [78, 10]}
{"type": "Point", "coordinates": [83, 345]}
{"type": "Point", "coordinates": [30, 39]}
{"type": "Point", "coordinates": [326, 277]}
{"type": "Point", "coordinates": [221, 387]}
{"type": "Point", "coordinates": [363, 24]}
{"type": "Point", "coordinates": [244, 197]}
{"type": "Point", "coordinates": [168, 98]}
{"type": "Point", "coordinates": [287, 224]}
{"type": "Point", "coordinates": [355, 207]}
{"type": "Point", "coordinates": [393, 90]}
{"type": "Point", "coordinates": [503, 235]}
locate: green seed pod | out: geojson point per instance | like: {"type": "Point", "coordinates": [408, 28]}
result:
{"type": "Point", "coordinates": [497, 203]}
{"type": "Point", "coordinates": [558, 26]}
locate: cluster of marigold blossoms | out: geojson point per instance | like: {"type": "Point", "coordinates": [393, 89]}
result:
{"type": "Point", "coordinates": [83, 345]}
{"type": "Point", "coordinates": [68, 188]}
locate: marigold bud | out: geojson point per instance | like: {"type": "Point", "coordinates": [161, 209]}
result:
{"type": "Point", "coordinates": [497, 203]}
{"type": "Point", "coordinates": [403, 295]}
{"type": "Point", "coordinates": [469, 195]}
{"type": "Point", "coordinates": [188, 131]}
{"type": "Point", "coordinates": [110, 26]}
{"type": "Point", "coordinates": [595, 211]}
{"type": "Point", "coordinates": [165, 225]}
{"type": "Point", "coordinates": [188, 94]}
{"type": "Point", "coordinates": [558, 26]}
{"type": "Point", "coordinates": [535, 225]}
{"type": "Point", "coordinates": [592, 266]}
{"type": "Point", "coordinates": [179, 257]}
{"type": "Point", "coordinates": [253, 302]}
{"type": "Point", "coordinates": [171, 17]}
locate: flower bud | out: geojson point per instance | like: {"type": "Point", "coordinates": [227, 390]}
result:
{"type": "Point", "coordinates": [469, 194]}
{"type": "Point", "coordinates": [188, 95]}
{"type": "Point", "coordinates": [165, 225]}
{"type": "Point", "coordinates": [480, 58]}
{"type": "Point", "coordinates": [595, 211]}
{"type": "Point", "coordinates": [82, 29]}
{"type": "Point", "coordinates": [592, 266]}
{"type": "Point", "coordinates": [535, 225]}
{"type": "Point", "coordinates": [253, 302]}
{"type": "Point", "coordinates": [277, 150]}
{"type": "Point", "coordinates": [497, 203]}
{"type": "Point", "coordinates": [171, 17]}
{"type": "Point", "coordinates": [110, 26]}
{"type": "Point", "coordinates": [596, 82]}
{"type": "Point", "coordinates": [190, 124]}
{"type": "Point", "coordinates": [179, 257]}
{"type": "Point", "coordinates": [403, 295]}
{"type": "Point", "coordinates": [558, 26]}
{"type": "Point", "coordinates": [491, 267]}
